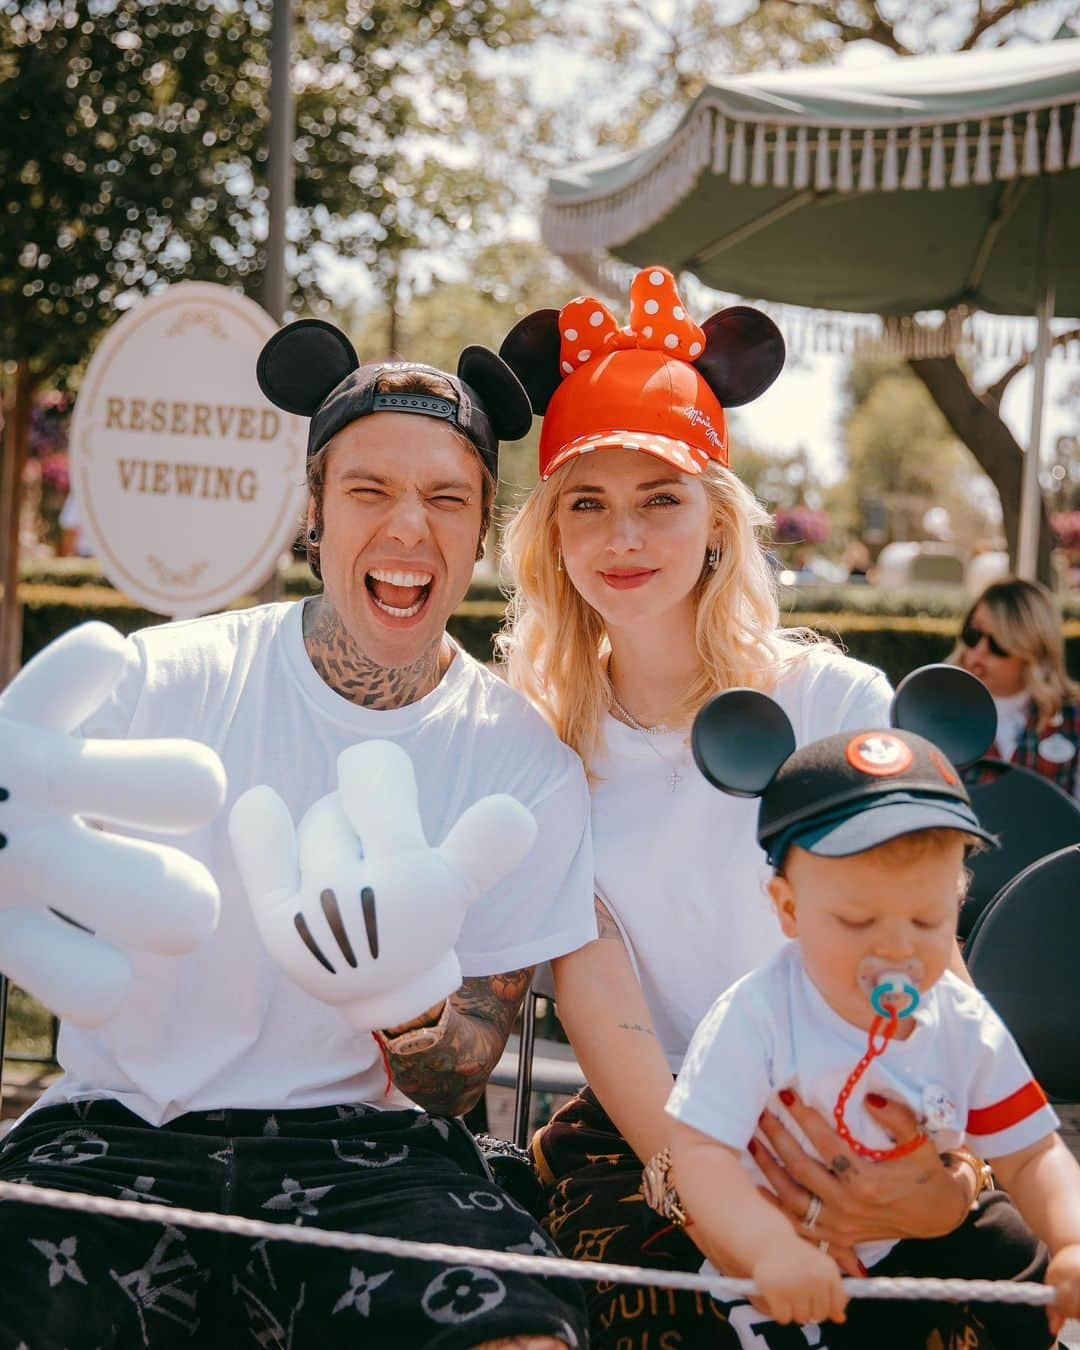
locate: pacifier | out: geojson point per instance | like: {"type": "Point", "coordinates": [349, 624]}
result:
{"type": "Point", "coordinates": [893, 990]}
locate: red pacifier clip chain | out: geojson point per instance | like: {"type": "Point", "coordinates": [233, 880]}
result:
{"type": "Point", "coordinates": [887, 1027]}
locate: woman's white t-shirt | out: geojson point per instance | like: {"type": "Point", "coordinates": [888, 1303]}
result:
{"type": "Point", "coordinates": [681, 870]}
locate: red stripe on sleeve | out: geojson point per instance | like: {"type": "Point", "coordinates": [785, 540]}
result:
{"type": "Point", "coordinates": [1009, 1111]}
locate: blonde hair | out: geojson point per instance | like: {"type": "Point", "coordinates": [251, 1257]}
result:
{"type": "Point", "coordinates": [553, 641]}
{"type": "Point", "coordinates": [1027, 623]}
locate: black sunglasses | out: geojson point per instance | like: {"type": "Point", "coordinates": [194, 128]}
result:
{"type": "Point", "coordinates": [972, 636]}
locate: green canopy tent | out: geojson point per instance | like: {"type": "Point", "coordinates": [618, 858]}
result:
{"type": "Point", "coordinates": [943, 183]}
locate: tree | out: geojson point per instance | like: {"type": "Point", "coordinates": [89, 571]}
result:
{"type": "Point", "coordinates": [900, 452]}
{"type": "Point", "coordinates": [669, 52]}
{"type": "Point", "coordinates": [133, 147]}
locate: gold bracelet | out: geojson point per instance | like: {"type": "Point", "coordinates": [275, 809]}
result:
{"type": "Point", "coordinates": [659, 1193]}
{"type": "Point", "coordinates": [980, 1170]}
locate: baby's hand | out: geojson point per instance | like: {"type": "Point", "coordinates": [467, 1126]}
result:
{"type": "Point", "coordinates": [798, 1283]}
{"type": "Point", "coordinates": [1064, 1274]}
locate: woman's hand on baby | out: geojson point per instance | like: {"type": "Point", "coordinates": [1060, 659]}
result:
{"type": "Point", "coordinates": [861, 1201]}
{"type": "Point", "coordinates": [1063, 1274]}
{"type": "Point", "coordinates": [798, 1283]}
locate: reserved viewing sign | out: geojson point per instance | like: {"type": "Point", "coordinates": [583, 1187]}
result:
{"type": "Point", "coordinates": [189, 483]}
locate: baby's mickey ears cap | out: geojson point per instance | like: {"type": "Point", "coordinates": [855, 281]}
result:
{"type": "Point", "coordinates": [851, 791]}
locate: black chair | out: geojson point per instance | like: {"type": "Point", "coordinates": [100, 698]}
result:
{"type": "Point", "coordinates": [529, 1064]}
{"type": "Point", "coordinates": [1031, 816]}
{"type": "Point", "coordinates": [1023, 957]}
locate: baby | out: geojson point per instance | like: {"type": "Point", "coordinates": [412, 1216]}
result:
{"type": "Point", "coordinates": [866, 834]}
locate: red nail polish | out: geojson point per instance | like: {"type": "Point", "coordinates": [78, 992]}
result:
{"type": "Point", "coordinates": [752, 1146]}
{"type": "Point", "coordinates": [786, 1096]}
{"type": "Point", "coordinates": [876, 1099]}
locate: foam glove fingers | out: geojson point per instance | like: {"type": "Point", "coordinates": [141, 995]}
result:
{"type": "Point", "coordinates": [75, 974]}
{"type": "Point", "coordinates": [377, 784]}
{"type": "Point", "coordinates": [165, 784]}
{"type": "Point", "coordinates": [69, 678]}
{"type": "Point", "coordinates": [488, 841]}
{"type": "Point", "coordinates": [264, 842]}
{"type": "Point", "coordinates": [145, 896]}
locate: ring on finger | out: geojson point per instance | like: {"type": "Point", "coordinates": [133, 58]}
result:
{"type": "Point", "coordinates": [813, 1213]}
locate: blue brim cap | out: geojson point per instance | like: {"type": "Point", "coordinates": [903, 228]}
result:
{"type": "Point", "coordinates": [864, 824]}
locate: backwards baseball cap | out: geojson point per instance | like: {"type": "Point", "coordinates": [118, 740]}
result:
{"type": "Point", "coordinates": [660, 384]}
{"type": "Point", "coordinates": [311, 368]}
{"type": "Point", "coordinates": [854, 790]}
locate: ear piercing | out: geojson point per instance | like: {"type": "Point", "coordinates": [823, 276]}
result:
{"type": "Point", "coordinates": [712, 558]}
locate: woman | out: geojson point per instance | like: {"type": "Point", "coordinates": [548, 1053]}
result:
{"type": "Point", "coordinates": [1011, 639]}
{"type": "Point", "coordinates": [641, 589]}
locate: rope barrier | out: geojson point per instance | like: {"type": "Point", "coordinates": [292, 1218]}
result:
{"type": "Point", "coordinates": [550, 1267]}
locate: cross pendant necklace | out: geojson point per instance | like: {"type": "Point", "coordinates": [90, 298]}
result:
{"type": "Point", "coordinates": [674, 777]}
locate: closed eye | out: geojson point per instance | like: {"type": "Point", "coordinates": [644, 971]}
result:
{"type": "Point", "coordinates": [856, 925]}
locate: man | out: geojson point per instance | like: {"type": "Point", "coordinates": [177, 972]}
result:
{"type": "Point", "coordinates": [221, 1085]}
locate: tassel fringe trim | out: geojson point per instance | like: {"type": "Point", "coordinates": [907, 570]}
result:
{"type": "Point", "coordinates": [961, 331]}
{"type": "Point", "coordinates": [822, 159]}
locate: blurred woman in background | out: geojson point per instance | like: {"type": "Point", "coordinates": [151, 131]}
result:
{"type": "Point", "coordinates": [1011, 638]}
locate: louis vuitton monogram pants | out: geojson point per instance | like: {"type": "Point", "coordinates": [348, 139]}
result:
{"type": "Point", "coordinates": [71, 1281]}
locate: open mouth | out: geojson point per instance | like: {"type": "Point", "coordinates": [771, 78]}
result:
{"type": "Point", "coordinates": [401, 595]}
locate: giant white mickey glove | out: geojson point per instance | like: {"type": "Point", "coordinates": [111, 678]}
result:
{"type": "Point", "coordinates": [122, 893]}
{"type": "Point", "coordinates": [354, 905]}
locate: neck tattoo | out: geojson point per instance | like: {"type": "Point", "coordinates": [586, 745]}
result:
{"type": "Point", "coordinates": [341, 664]}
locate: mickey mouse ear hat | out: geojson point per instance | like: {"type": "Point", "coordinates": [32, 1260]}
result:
{"type": "Point", "coordinates": [311, 368]}
{"type": "Point", "coordinates": [850, 792]}
{"type": "Point", "coordinates": [660, 384]}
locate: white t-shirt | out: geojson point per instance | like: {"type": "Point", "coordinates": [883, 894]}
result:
{"type": "Point", "coordinates": [681, 870]}
{"type": "Point", "coordinates": [223, 1026]}
{"type": "Point", "coordinates": [960, 1070]}
{"type": "Point", "coordinates": [1012, 715]}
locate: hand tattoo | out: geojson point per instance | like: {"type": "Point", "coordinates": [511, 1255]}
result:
{"type": "Point", "coordinates": [449, 1078]}
{"type": "Point", "coordinates": [340, 663]}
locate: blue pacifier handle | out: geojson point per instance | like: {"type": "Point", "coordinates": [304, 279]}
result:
{"type": "Point", "coordinates": [894, 983]}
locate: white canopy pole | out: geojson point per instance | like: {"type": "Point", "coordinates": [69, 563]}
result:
{"type": "Point", "coordinates": [1027, 551]}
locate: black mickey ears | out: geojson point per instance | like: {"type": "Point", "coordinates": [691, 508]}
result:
{"type": "Point", "coordinates": [740, 738]}
{"type": "Point", "coordinates": [950, 708]}
{"type": "Point", "coordinates": [744, 353]}
{"type": "Point", "coordinates": [499, 390]}
{"type": "Point", "coordinates": [302, 363]}
{"type": "Point", "coordinates": [531, 350]}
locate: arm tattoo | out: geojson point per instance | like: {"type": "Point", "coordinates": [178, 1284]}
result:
{"type": "Point", "coordinates": [340, 663]}
{"type": "Point", "coordinates": [449, 1078]}
{"type": "Point", "coordinates": [605, 924]}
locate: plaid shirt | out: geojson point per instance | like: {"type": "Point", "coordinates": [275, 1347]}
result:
{"type": "Point", "coordinates": [1027, 753]}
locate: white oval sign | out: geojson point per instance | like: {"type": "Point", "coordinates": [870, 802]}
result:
{"type": "Point", "coordinates": [189, 483]}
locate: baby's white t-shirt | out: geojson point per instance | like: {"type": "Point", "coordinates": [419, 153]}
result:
{"type": "Point", "coordinates": [960, 1070]}
{"type": "Point", "coordinates": [223, 1026]}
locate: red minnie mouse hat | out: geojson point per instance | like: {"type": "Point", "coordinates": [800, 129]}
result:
{"type": "Point", "coordinates": [659, 385]}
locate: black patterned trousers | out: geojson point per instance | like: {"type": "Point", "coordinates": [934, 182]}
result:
{"type": "Point", "coordinates": [78, 1281]}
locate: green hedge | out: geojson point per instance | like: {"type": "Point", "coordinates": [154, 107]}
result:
{"type": "Point", "coordinates": [897, 643]}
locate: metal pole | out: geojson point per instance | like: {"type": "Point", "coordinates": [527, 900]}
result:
{"type": "Point", "coordinates": [280, 183]}
{"type": "Point", "coordinates": [280, 170]}
{"type": "Point", "coordinates": [1027, 550]}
